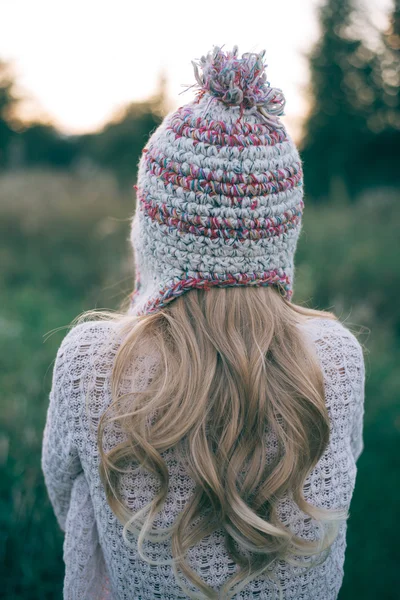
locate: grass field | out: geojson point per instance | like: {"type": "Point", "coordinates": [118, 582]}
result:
{"type": "Point", "coordinates": [64, 249]}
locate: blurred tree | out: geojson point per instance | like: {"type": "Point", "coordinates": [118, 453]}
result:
{"type": "Point", "coordinates": [8, 101]}
{"type": "Point", "coordinates": [387, 74]}
{"type": "Point", "coordinates": [30, 144]}
{"type": "Point", "coordinates": [349, 85]}
{"type": "Point", "coordinates": [380, 157]}
{"type": "Point", "coordinates": [44, 145]}
{"type": "Point", "coordinates": [119, 145]}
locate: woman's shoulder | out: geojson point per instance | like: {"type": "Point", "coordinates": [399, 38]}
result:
{"type": "Point", "coordinates": [337, 346]}
{"type": "Point", "coordinates": [331, 331]}
{"type": "Point", "coordinates": [91, 347]}
{"type": "Point", "coordinates": [87, 333]}
{"type": "Point", "coordinates": [342, 360]}
{"type": "Point", "coordinates": [83, 343]}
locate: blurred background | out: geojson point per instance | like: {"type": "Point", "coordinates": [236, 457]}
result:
{"type": "Point", "coordinates": [82, 85]}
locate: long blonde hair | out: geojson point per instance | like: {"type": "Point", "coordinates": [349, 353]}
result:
{"type": "Point", "coordinates": [233, 364]}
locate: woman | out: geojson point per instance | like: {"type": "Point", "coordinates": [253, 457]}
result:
{"type": "Point", "coordinates": [203, 443]}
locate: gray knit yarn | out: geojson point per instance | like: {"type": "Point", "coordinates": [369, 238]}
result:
{"type": "Point", "coordinates": [219, 199]}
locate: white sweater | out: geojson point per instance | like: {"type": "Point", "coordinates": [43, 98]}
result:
{"type": "Point", "coordinates": [99, 565]}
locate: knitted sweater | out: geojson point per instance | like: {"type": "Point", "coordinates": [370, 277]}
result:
{"type": "Point", "coordinates": [98, 563]}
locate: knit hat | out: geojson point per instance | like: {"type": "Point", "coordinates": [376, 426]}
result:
{"type": "Point", "coordinates": [219, 189]}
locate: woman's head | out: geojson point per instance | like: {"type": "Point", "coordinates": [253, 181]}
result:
{"type": "Point", "coordinates": [220, 189]}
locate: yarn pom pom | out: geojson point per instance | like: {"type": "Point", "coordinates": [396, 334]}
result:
{"type": "Point", "coordinates": [239, 82]}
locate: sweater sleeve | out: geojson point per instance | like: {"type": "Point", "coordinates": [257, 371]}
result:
{"type": "Point", "coordinates": [86, 573]}
{"type": "Point", "coordinates": [60, 460]}
{"type": "Point", "coordinates": [342, 359]}
{"type": "Point", "coordinates": [357, 436]}
{"type": "Point", "coordinates": [355, 367]}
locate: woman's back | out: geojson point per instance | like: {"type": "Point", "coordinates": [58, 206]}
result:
{"type": "Point", "coordinates": [99, 563]}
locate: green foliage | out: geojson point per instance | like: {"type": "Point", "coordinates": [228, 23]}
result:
{"type": "Point", "coordinates": [119, 145]}
{"type": "Point", "coordinates": [64, 249]}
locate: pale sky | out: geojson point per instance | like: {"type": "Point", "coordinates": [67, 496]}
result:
{"type": "Point", "coordinates": [81, 60]}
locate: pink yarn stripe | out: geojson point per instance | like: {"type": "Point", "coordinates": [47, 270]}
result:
{"type": "Point", "coordinates": [156, 161]}
{"type": "Point", "coordinates": [216, 227]}
{"type": "Point", "coordinates": [206, 281]}
{"type": "Point", "coordinates": [227, 189]}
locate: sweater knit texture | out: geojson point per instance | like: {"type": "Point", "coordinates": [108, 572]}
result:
{"type": "Point", "coordinates": [219, 189]}
{"type": "Point", "coordinates": [99, 564]}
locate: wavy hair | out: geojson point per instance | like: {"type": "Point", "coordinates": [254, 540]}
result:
{"type": "Point", "coordinates": [233, 365]}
